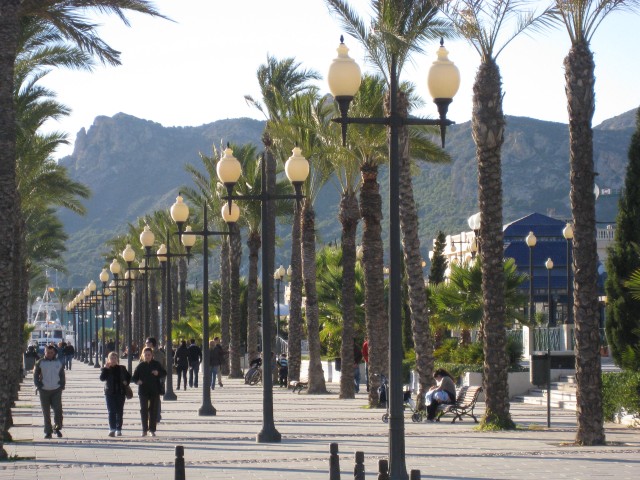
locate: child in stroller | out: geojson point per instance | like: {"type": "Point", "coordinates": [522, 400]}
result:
{"type": "Point", "coordinates": [254, 374]}
{"type": "Point", "coordinates": [408, 402]}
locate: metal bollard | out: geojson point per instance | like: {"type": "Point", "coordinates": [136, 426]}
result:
{"type": "Point", "coordinates": [179, 470]}
{"type": "Point", "coordinates": [358, 470]}
{"type": "Point", "coordinates": [334, 462]}
{"type": "Point", "coordinates": [383, 469]}
{"type": "Point", "coordinates": [414, 475]}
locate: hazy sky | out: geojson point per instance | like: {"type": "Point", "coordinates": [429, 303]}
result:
{"type": "Point", "coordinates": [198, 69]}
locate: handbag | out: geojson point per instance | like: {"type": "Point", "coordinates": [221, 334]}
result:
{"type": "Point", "coordinates": [128, 392]}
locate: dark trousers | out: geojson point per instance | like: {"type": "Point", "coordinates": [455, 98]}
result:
{"type": "Point", "coordinates": [182, 373]}
{"type": "Point", "coordinates": [283, 374]}
{"type": "Point", "coordinates": [149, 412]}
{"type": "Point", "coordinates": [115, 407]}
{"type": "Point", "coordinates": [67, 361]}
{"type": "Point", "coordinates": [194, 367]}
{"type": "Point", "coordinates": [51, 399]}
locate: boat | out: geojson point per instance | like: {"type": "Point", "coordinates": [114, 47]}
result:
{"type": "Point", "coordinates": [47, 325]}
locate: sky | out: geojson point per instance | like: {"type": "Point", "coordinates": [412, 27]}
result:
{"type": "Point", "coordinates": [197, 69]}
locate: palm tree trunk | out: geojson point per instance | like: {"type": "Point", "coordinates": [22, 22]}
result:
{"type": "Point", "coordinates": [413, 259]}
{"type": "Point", "coordinates": [488, 134]}
{"type": "Point", "coordinates": [295, 299]}
{"type": "Point", "coordinates": [580, 79]}
{"type": "Point", "coordinates": [225, 301]}
{"type": "Point", "coordinates": [316, 373]}
{"type": "Point", "coordinates": [182, 267]}
{"type": "Point", "coordinates": [349, 216]}
{"type": "Point", "coordinates": [235, 257]}
{"type": "Point", "coordinates": [9, 30]}
{"type": "Point", "coordinates": [253, 242]}
{"type": "Point", "coordinates": [375, 311]}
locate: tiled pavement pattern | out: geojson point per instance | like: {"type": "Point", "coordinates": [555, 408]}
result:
{"type": "Point", "coordinates": [224, 446]}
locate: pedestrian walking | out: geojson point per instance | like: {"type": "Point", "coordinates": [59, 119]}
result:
{"type": "Point", "coordinates": [195, 358]}
{"type": "Point", "coordinates": [69, 352]}
{"type": "Point", "coordinates": [160, 357]}
{"type": "Point", "coordinates": [365, 357]}
{"type": "Point", "coordinates": [181, 361]}
{"type": "Point", "coordinates": [116, 378]}
{"type": "Point", "coordinates": [147, 376]}
{"type": "Point", "coordinates": [49, 379]}
{"type": "Point", "coordinates": [357, 358]}
{"type": "Point", "coordinates": [216, 359]}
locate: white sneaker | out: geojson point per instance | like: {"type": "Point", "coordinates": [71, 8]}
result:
{"type": "Point", "coordinates": [118, 433]}
{"type": "Point", "coordinates": [152, 434]}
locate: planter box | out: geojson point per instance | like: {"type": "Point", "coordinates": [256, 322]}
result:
{"type": "Point", "coordinates": [518, 383]}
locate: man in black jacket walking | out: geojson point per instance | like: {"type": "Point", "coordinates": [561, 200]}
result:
{"type": "Point", "coordinates": [194, 353]}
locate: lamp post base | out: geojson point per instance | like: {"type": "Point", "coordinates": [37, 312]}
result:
{"type": "Point", "coordinates": [169, 397]}
{"type": "Point", "coordinates": [96, 365]}
{"type": "Point", "coordinates": [268, 435]}
{"type": "Point", "coordinates": [207, 411]}
{"type": "Point", "coordinates": [89, 362]}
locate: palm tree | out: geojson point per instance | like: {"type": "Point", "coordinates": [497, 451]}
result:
{"type": "Point", "coordinates": [398, 29]}
{"type": "Point", "coordinates": [481, 24]}
{"type": "Point", "coordinates": [280, 81]}
{"type": "Point", "coordinates": [582, 18]}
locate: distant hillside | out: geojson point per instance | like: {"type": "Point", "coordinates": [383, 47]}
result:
{"type": "Point", "coordinates": [135, 166]}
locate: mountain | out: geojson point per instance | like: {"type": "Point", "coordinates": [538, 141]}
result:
{"type": "Point", "coordinates": [136, 166]}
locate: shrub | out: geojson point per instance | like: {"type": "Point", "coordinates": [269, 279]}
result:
{"type": "Point", "coordinates": [620, 390]}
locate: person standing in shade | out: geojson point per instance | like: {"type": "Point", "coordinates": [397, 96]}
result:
{"type": "Point", "coordinates": [365, 357]}
{"type": "Point", "coordinates": [147, 376]}
{"type": "Point", "coordinates": [216, 357]}
{"type": "Point", "coordinates": [283, 369]}
{"type": "Point", "coordinates": [69, 351]}
{"type": "Point", "coordinates": [195, 357]}
{"type": "Point", "coordinates": [116, 378]}
{"type": "Point", "coordinates": [160, 357]}
{"type": "Point", "coordinates": [49, 379]}
{"type": "Point", "coordinates": [357, 358]}
{"type": "Point", "coordinates": [181, 360]}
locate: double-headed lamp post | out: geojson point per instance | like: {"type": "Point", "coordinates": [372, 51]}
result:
{"type": "Point", "coordinates": [115, 269]}
{"type": "Point", "coordinates": [549, 264]}
{"type": "Point", "coordinates": [180, 214]}
{"type": "Point", "coordinates": [531, 241]}
{"type": "Point", "coordinates": [443, 82]}
{"type": "Point", "coordinates": [278, 276]}
{"type": "Point", "coordinates": [297, 171]}
{"type": "Point", "coordinates": [129, 255]}
{"type": "Point", "coordinates": [567, 233]}
{"type": "Point", "coordinates": [104, 278]}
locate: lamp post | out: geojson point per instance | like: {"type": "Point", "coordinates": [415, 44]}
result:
{"type": "Point", "coordinates": [129, 255]}
{"type": "Point", "coordinates": [531, 243]}
{"type": "Point", "coordinates": [104, 278]}
{"type": "Point", "coordinates": [567, 233]}
{"type": "Point", "coordinates": [474, 224]}
{"type": "Point", "coordinates": [147, 239]}
{"type": "Point", "coordinates": [229, 171]}
{"type": "Point", "coordinates": [94, 302]}
{"type": "Point", "coordinates": [180, 214]}
{"type": "Point", "coordinates": [115, 269]}
{"type": "Point", "coordinates": [549, 265]}
{"type": "Point", "coordinates": [87, 298]}
{"type": "Point", "coordinates": [278, 276]}
{"type": "Point", "coordinates": [344, 81]}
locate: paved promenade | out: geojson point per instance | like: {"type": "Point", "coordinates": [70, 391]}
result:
{"type": "Point", "coordinates": [224, 447]}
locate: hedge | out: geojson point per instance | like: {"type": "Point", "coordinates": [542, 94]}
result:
{"type": "Point", "coordinates": [620, 390]}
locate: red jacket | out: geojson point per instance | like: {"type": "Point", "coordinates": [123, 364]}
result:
{"type": "Point", "coordinates": [365, 351]}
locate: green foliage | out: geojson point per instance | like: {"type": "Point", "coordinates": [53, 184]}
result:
{"type": "Point", "coordinates": [438, 261]}
{"type": "Point", "coordinates": [492, 422]}
{"type": "Point", "coordinates": [623, 260]}
{"type": "Point", "coordinates": [620, 390]}
{"type": "Point", "coordinates": [452, 352]}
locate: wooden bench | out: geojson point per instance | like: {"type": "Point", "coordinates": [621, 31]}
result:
{"type": "Point", "coordinates": [466, 399]}
{"type": "Point", "coordinates": [299, 386]}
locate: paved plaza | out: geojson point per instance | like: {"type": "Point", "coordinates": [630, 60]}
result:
{"type": "Point", "coordinates": [224, 446]}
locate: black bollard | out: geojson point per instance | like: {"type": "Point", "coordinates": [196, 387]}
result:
{"type": "Point", "coordinates": [414, 475]}
{"type": "Point", "coordinates": [179, 473]}
{"type": "Point", "coordinates": [358, 470]}
{"type": "Point", "coordinates": [334, 462]}
{"type": "Point", "coordinates": [383, 469]}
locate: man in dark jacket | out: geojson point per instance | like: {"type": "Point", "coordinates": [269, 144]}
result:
{"type": "Point", "coordinates": [181, 361]}
{"type": "Point", "coordinates": [216, 359]}
{"type": "Point", "coordinates": [195, 357]}
{"type": "Point", "coordinates": [48, 377]}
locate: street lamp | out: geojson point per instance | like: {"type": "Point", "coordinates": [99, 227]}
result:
{"type": "Point", "coordinates": [474, 222]}
{"type": "Point", "coordinates": [147, 239]}
{"type": "Point", "coordinates": [87, 298]}
{"type": "Point", "coordinates": [531, 243]}
{"type": "Point", "coordinates": [567, 233]}
{"type": "Point", "coordinates": [129, 255]}
{"type": "Point", "coordinates": [104, 278]}
{"type": "Point", "coordinates": [443, 82]}
{"type": "Point", "coordinates": [115, 270]}
{"type": "Point", "coordinates": [278, 276]}
{"type": "Point", "coordinates": [297, 171]}
{"type": "Point", "coordinates": [180, 214]}
{"type": "Point", "coordinates": [549, 265]}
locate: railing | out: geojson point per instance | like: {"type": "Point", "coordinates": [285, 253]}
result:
{"type": "Point", "coordinates": [282, 345]}
{"type": "Point", "coordinates": [548, 339]}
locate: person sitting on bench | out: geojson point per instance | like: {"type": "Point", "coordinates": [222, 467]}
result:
{"type": "Point", "coordinates": [443, 392]}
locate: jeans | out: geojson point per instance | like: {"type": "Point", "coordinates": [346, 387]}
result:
{"type": "Point", "coordinates": [67, 361]}
{"type": "Point", "coordinates": [356, 377]}
{"type": "Point", "coordinates": [216, 371]}
{"type": "Point", "coordinates": [149, 412]}
{"type": "Point", "coordinates": [182, 373]}
{"type": "Point", "coordinates": [194, 367]}
{"type": "Point", "coordinates": [51, 399]}
{"type": "Point", "coordinates": [115, 407]}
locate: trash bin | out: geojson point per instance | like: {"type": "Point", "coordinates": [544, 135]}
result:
{"type": "Point", "coordinates": [539, 369]}
{"type": "Point", "coordinates": [337, 363]}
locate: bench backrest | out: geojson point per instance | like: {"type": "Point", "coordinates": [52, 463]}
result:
{"type": "Point", "coordinates": [467, 395]}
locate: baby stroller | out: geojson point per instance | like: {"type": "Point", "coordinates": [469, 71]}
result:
{"type": "Point", "coordinates": [254, 374]}
{"type": "Point", "coordinates": [408, 403]}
